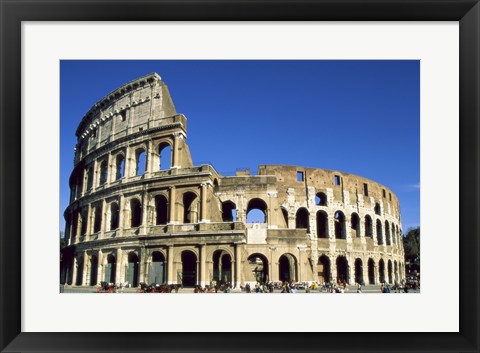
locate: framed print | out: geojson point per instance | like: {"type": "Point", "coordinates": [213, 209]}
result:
{"type": "Point", "coordinates": [48, 49]}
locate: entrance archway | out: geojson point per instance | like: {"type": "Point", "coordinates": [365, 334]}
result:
{"type": "Point", "coordinates": [390, 271]}
{"type": "Point", "coordinates": [157, 268]}
{"type": "Point", "coordinates": [381, 270]}
{"type": "Point", "coordinates": [132, 270]}
{"type": "Point", "coordinates": [189, 269]}
{"type": "Point", "coordinates": [258, 268]}
{"type": "Point", "coordinates": [324, 274]}
{"type": "Point", "coordinates": [342, 269]}
{"type": "Point", "coordinates": [78, 280]}
{"type": "Point", "coordinates": [358, 271]}
{"type": "Point", "coordinates": [222, 266]}
{"type": "Point", "coordinates": [371, 271]}
{"type": "Point", "coordinates": [287, 265]}
{"type": "Point", "coordinates": [110, 269]}
{"type": "Point", "coordinates": [93, 270]}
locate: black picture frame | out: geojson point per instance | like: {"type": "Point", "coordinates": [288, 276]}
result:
{"type": "Point", "coordinates": [467, 12]}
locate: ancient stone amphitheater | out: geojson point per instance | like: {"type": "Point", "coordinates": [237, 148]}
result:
{"type": "Point", "coordinates": [140, 211]}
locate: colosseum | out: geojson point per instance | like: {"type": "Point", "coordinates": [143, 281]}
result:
{"type": "Point", "coordinates": [140, 211]}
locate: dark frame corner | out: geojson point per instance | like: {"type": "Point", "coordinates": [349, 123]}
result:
{"type": "Point", "coordinates": [467, 12]}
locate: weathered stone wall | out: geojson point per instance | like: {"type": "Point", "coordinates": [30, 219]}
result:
{"type": "Point", "coordinates": [137, 210]}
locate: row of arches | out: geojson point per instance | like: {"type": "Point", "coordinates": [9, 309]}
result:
{"type": "Point", "coordinates": [139, 165]}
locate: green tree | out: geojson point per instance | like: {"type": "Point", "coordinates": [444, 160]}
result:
{"type": "Point", "coordinates": [411, 244]}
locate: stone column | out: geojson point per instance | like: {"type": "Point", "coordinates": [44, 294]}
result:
{"type": "Point", "coordinates": [95, 176]}
{"type": "Point", "coordinates": [203, 210]}
{"type": "Point", "coordinates": [333, 269]}
{"type": "Point", "coordinates": [172, 209]}
{"type": "Point", "coordinates": [110, 175]}
{"type": "Point", "coordinates": [203, 264]}
{"type": "Point", "coordinates": [142, 265]}
{"type": "Point", "coordinates": [74, 274]}
{"type": "Point", "coordinates": [119, 267]}
{"type": "Point", "coordinates": [121, 213]}
{"type": "Point", "coordinates": [170, 279]}
{"type": "Point", "coordinates": [365, 271]}
{"type": "Point", "coordinates": [175, 149]}
{"type": "Point", "coordinates": [376, 271]}
{"type": "Point", "coordinates": [85, 276]}
{"type": "Point", "coordinates": [149, 155]}
{"type": "Point", "coordinates": [128, 161]}
{"type": "Point", "coordinates": [100, 273]}
{"type": "Point", "coordinates": [104, 219]}
{"type": "Point", "coordinates": [144, 212]}
{"type": "Point", "coordinates": [238, 262]}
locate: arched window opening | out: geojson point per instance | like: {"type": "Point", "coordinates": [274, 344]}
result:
{"type": "Point", "coordinates": [140, 162]}
{"type": "Point", "coordinates": [321, 199]}
{"type": "Point", "coordinates": [342, 269]}
{"type": "Point", "coordinates": [323, 270]}
{"type": "Point", "coordinates": [258, 268]}
{"type": "Point", "coordinates": [189, 269]}
{"type": "Point", "coordinates": [257, 211]}
{"type": "Point", "coordinates": [381, 270]}
{"type": "Point", "coordinates": [322, 224]}
{"type": "Point", "coordinates": [390, 270]}
{"type": "Point", "coordinates": [302, 219]}
{"type": "Point", "coordinates": [378, 210]}
{"type": "Point", "coordinates": [190, 207]}
{"type": "Point", "coordinates": [114, 216]}
{"type": "Point", "coordinates": [379, 232]}
{"type": "Point", "coordinates": [156, 273]}
{"type": "Point", "coordinates": [83, 225]}
{"type": "Point", "coordinates": [371, 271]}
{"type": "Point", "coordinates": [78, 280]}
{"type": "Point", "coordinates": [394, 234]}
{"type": "Point", "coordinates": [359, 271]}
{"type": "Point", "coordinates": [165, 153]}
{"type": "Point", "coordinates": [110, 269]}
{"type": "Point", "coordinates": [368, 226]}
{"type": "Point", "coordinates": [136, 213]}
{"type": "Point", "coordinates": [97, 219]}
{"type": "Point", "coordinates": [103, 172]}
{"type": "Point", "coordinates": [119, 167]}
{"type": "Point", "coordinates": [387, 233]}
{"type": "Point", "coordinates": [89, 179]}
{"type": "Point", "coordinates": [131, 275]}
{"type": "Point", "coordinates": [93, 270]}
{"type": "Point", "coordinates": [287, 265]}
{"type": "Point", "coordinates": [355, 225]}
{"type": "Point", "coordinates": [229, 212]}
{"type": "Point", "coordinates": [395, 270]}
{"type": "Point", "coordinates": [340, 225]}
{"type": "Point", "coordinates": [161, 210]}
{"type": "Point", "coordinates": [222, 267]}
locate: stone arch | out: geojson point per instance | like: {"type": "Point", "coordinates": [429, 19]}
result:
{"type": "Point", "coordinates": [302, 219]}
{"type": "Point", "coordinates": [222, 266]}
{"type": "Point", "coordinates": [340, 232]}
{"type": "Point", "coordinates": [368, 227]}
{"type": "Point", "coordinates": [320, 199]}
{"type": "Point", "coordinates": [355, 225]}
{"type": "Point", "coordinates": [114, 214]}
{"type": "Point", "coordinates": [229, 211]}
{"type": "Point", "coordinates": [140, 161]}
{"type": "Point", "coordinates": [387, 233]}
{"type": "Point", "coordinates": [255, 207]}
{"type": "Point", "coordinates": [132, 269]}
{"type": "Point", "coordinates": [285, 216]}
{"type": "Point", "coordinates": [342, 269]}
{"type": "Point", "coordinates": [322, 224]}
{"type": "Point", "coordinates": [156, 273]}
{"type": "Point", "coordinates": [135, 213]}
{"type": "Point", "coordinates": [189, 272]}
{"type": "Point", "coordinates": [379, 232]}
{"type": "Point", "coordinates": [165, 155]}
{"type": "Point", "coordinates": [110, 268]}
{"type": "Point", "coordinates": [371, 271]}
{"type": "Point", "coordinates": [381, 270]}
{"type": "Point", "coordinates": [324, 269]}
{"type": "Point", "coordinates": [161, 209]}
{"type": "Point", "coordinates": [103, 170]}
{"type": "Point", "coordinates": [97, 218]}
{"type": "Point", "coordinates": [190, 207]}
{"type": "Point", "coordinates": [89, 178]}
{"type": "Point", "coordinates": [359, 271]}
{"type": "Point", "coordinates": [257, 268]}
{"type": "Point", "coordinates": [119, 166]}
{"type": "Point", "coordinates": [287, 268]}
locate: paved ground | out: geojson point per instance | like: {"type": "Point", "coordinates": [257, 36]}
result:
{"type": "Point", "coordinates": [351, 289]}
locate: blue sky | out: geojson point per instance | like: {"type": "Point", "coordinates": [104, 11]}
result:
{"type": "Point", "coordinates": [359, 117]}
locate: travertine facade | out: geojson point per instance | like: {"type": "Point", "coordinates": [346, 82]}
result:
{"type": "Point", "coordinates": [140, 211]}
